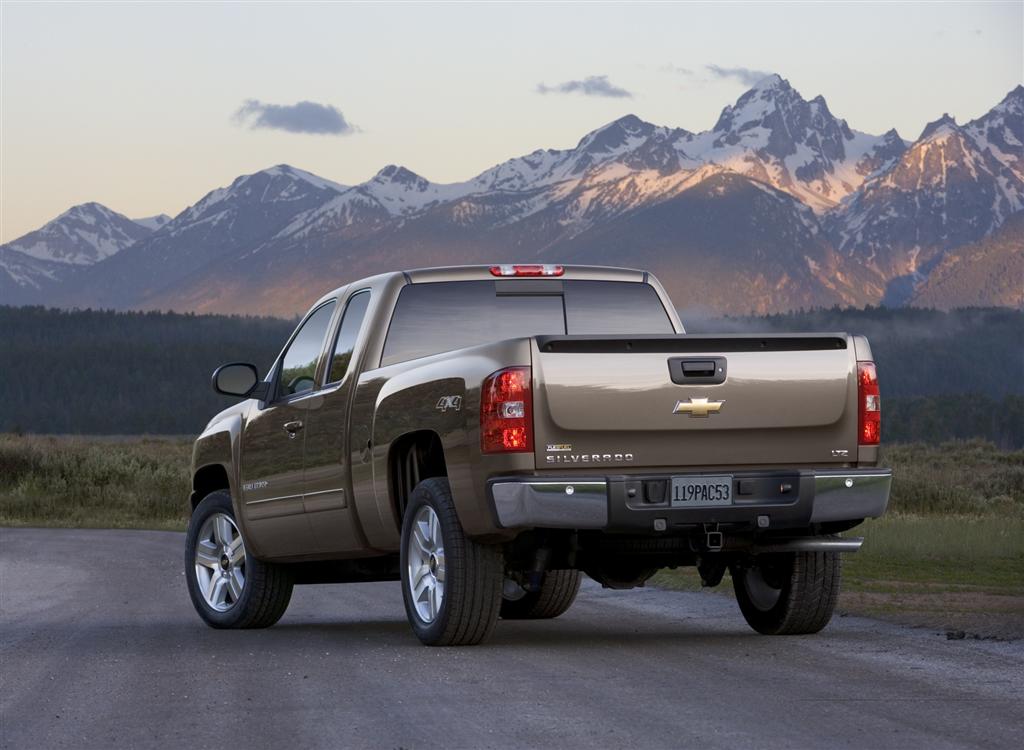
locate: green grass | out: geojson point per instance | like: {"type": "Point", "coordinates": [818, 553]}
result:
{"type": "Point", "coordinates": [952, 552]}
{"type": "Point", "coordinates": [94, 482]}
{"type": "Point", "coordinates": [970, 478]}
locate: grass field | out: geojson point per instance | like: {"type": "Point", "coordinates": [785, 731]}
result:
{"type": "Point", "coordinates": [131, 483]}
{"type": "Point", "coordinates": [949, 554]}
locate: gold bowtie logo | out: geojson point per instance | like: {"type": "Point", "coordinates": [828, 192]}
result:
{"type": "Point", "coordinates": [698, 407]}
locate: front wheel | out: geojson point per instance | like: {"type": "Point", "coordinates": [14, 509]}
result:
{"type": "Point", "coordinates": [451, 584]}
{"type": "Point", "coordinates": [229, 587]}
{"type": "Point", "coordinates": [788, 594]}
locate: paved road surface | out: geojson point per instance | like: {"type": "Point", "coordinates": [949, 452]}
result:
{"type": "Point", "coordinates": [100, 648]}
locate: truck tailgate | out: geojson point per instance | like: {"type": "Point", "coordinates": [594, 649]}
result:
{"type": "Point", "coordinates": [694, 401]}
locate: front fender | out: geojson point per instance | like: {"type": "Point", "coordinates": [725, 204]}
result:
{"type": "Point", "coordinates": [220, 445]}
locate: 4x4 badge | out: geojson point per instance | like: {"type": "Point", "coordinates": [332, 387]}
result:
{"type": "Point", "coordinates": [698, 407]}
{"type": "Point", "coordinates": [449, 402]}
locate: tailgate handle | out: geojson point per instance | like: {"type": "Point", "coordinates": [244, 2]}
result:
{"type": "Point", "coordinates": [704, 367]}
{"type": "Point", "coordinates": [697, 370]}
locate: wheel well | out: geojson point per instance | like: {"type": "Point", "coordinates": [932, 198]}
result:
{"type": "Point", "coordinates": [413, 458]}
{"type": "Point", "coordinates": [208, 479]}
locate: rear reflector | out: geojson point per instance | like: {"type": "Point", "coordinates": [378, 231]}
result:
{"type": "Point", "coordinates": [506, 412]}
{"type": "Point", "coordinates": [527, 270]}
{"type": "Point", "coordinates": [869, 409]}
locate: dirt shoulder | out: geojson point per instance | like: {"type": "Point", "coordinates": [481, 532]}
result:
{"type": "Point", "coordinates": [963, 612]}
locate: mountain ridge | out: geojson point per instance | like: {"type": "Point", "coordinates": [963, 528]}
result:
{"type": "Point", "coordinates": [867, 217]}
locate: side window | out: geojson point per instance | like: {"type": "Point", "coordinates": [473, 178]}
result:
{"type": "Point", "coordinates": [348, 332]}
{"type": "Point", "coordinates": [299, 364]}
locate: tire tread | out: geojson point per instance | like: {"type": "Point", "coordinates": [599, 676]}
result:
{"type": "Point", "coordinates": [557, 593]}
{"type": "Point", "coordinates": [807, 600]}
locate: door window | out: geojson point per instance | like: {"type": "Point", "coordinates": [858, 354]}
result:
{"type": "Point", "coordinates": [298, 366]}
{"type": "Point", "coordinates": [348, 332]}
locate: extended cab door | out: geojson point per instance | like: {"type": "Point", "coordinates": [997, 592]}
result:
{"type": "Point", "coordinates": [328, 483]}
{"type": "Point", "coordinates": [272, 446]}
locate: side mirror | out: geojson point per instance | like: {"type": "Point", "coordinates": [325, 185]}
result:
{"type": "Point", "coordinates": [236, 379]}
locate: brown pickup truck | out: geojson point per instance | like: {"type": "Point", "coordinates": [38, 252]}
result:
{"type": "Point", "coordinates": [486, 435]}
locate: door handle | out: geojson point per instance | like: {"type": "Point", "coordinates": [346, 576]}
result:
{"type": "Point", "coordinates": [292, 428]}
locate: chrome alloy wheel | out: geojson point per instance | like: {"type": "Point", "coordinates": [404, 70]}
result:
{"type": "Point", "coordinates": [220, 562]}
{"type": "Point", "coordinates": [425, 564]}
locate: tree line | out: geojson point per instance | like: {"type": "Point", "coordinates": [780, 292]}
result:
{"type": "Point", "coordinates": [944, 375]}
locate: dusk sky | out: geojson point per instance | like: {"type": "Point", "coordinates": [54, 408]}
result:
{"type": "Point", "coordinates": [146, 107]}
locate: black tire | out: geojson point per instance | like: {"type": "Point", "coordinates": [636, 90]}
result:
{"type": "Point", "coordinates": [807, 586]}
{"type": "Point", "coordinates": [556, 595]}
{"type": "Point", "coordinates": [267, 589]}
{"type": "Point", "coordinates": [473, 574]}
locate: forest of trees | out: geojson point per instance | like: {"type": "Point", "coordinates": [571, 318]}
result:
{"type": "Point", "coordinates": [93, 372]}
{"type": "Point", "coordinates": [944, 375]}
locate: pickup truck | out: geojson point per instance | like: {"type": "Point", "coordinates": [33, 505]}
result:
{"type": "Point", "coordinates": [487, 435]}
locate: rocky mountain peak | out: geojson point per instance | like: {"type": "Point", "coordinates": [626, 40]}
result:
{"type": "Point", "coordinates": [943, 126]}
{"type": "Point", "coordinates": [616, 135]}
{"type": "Point", "coordinates": [1013, 101]}
{"type": "Point", "coordinates": [393, 174]}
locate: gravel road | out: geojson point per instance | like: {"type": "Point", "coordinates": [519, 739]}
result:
{"type": "Point", "coordinates": [100, 648]}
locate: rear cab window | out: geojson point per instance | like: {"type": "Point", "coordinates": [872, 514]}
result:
{"type": "Point", "coordinates": [435, 317]}
{"type": "Point", "coordinates": [348, 334]}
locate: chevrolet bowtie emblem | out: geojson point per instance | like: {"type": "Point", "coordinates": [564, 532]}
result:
{"type": "Point", "coordinates": [698, 407]}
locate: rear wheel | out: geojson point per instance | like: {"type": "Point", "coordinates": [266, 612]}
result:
{"type": "Point", "coordinates": [788, 594]}
{"type": "Point", "coordinates": [451, 584]}
{"type": "Point", "coordinates": [555, 596]}
{"type": "Point", "coordinates": [229, 587]}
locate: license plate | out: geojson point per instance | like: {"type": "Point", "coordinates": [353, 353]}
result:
{"type": "Point", "coordinates": [701, 491]}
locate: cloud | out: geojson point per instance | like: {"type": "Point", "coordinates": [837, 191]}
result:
{"type": "Point", "coordinates": [589, 86]}
{"type": "Point", "coordinates": [677, 69]}
{"type": "Point", "coordinates": [302, 117]}
{"type": "Point", "coordinates": [743, 75]}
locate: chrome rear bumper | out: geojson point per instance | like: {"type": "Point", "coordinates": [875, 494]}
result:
{"type": "Point", "coordinates": [621, 503]}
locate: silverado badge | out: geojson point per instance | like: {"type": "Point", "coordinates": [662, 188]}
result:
{"type": "Point", "coordinates": [698, 407]}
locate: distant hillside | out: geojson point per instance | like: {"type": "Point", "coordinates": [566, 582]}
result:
{"type": "Point", "coordinates": [987, 272]}
{"type": "Point", "coordinates": [944, 375]}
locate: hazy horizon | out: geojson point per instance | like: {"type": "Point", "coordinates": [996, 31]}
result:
{"type": "Point", "coordinates": [145, 107]}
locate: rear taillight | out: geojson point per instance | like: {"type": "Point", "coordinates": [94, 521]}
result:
{"type": "Point", "coordinates": [527, 270]}
{"type": "Point", "coordinates": [506, 412]}
{"type": "Point", "coordinates": [869, 409]}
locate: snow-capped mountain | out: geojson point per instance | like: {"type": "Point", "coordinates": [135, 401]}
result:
{"type": "Point", "coordinates": [781, 204]}
{"type": "Point", "coordinates": [81, 236]}
{"type": "Point", "coordinates": [953, 186]}
{"type": "Point", "coordinates": [774, 135]}
{"type": "Point", "coordinates": [225, 222]}
{"type": "Point", "coordinates": [1000, 132]}
{"type": "Point", "coordinates": [728, 242]}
